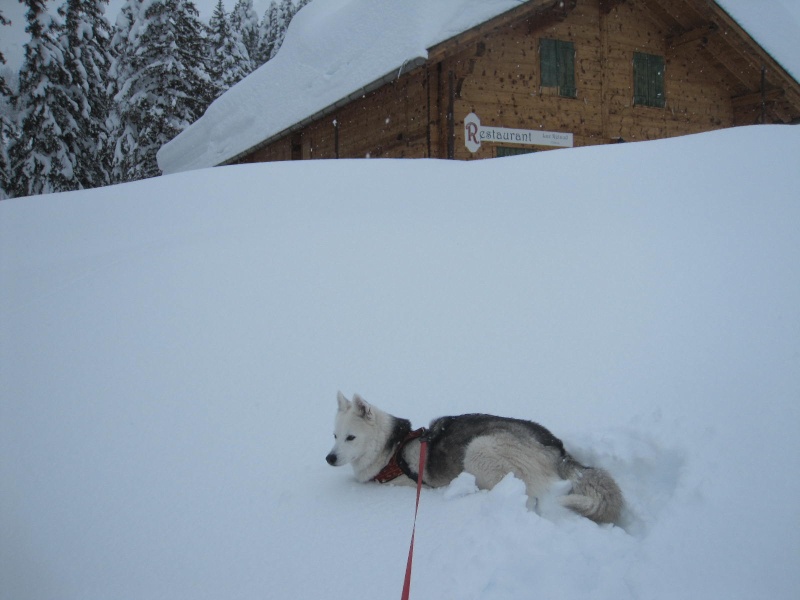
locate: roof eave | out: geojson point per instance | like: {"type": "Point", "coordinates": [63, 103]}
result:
{"type": "Point", "coordinates": [330, 109]}
{"type": "Point", "coordinates": [435, 54]}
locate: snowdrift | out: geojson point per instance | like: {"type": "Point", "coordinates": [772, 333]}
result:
{"type": "Point", "coordinates": [170, 352]}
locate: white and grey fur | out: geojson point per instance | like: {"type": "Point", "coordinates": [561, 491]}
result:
{"type": "Point", "coordinates": [487, 446]}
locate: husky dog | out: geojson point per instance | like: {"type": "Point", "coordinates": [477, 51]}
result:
{"type": "Point", "coordinates": [383, 448]}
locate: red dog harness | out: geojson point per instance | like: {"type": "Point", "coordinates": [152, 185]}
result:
{"type": "Point", "coordinates": [397, 464]}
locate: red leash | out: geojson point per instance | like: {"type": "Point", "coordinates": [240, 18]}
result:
{"type": "Point", "coordinates": [423, 450]}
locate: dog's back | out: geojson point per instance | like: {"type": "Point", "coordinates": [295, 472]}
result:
{"type": "Point", "coordinates": [489, 447]}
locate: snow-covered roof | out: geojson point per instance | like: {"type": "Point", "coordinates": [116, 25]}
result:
{"type": "Point", "coordinates": [333, 50]}
{"type": "Point", "coordinates": [337, 49]}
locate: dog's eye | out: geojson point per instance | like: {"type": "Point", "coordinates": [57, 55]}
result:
{"type": "Point", "coordinates": [350, 438]}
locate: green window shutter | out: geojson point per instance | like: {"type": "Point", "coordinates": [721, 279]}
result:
{"type": "Point", "coordinates": [557, 60]}
{"type": "Point", "coordinates": [548, 61]}
{"type": "Point", "coordinates": [566, 68]}
{"type": "Point", "coordinates": [639, 79]}
{"type": "Point", "coordinates": [648, 80]}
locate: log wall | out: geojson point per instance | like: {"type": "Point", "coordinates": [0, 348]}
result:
{"type": "Point", "coordinates": [497, 76]}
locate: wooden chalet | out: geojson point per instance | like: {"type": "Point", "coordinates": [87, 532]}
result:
{"type": "Point", "coordinates": [567, 72]}
{"type": "Point", "coordinates": [543, 74]}
{"type": "Point", "coordinates": [590, 71]}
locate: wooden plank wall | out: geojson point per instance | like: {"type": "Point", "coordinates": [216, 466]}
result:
{"type": "Point", "coordinates": [390, 122]}
{"type": "Point", "coordinates": [280, 150]}
{"type": "Point", "coordinates": [500, 82]}
{"type": "Point", "coordinates": [696, 99]}
{"type": "Point", "coordinates": [498, 77]}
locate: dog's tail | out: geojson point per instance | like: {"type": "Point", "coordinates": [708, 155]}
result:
{"type": "Point", "coordinates": [594, 494]}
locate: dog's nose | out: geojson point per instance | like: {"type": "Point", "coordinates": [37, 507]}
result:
{"type": "Point", "coordinates": [331, 458]}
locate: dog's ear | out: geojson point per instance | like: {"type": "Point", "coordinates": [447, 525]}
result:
{"type": "Point", "coordinates": [344, 403]}
{"type": "Point", "coordinates": [363, 409]}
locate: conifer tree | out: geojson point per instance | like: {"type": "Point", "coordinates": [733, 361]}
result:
{"type": "Point", "coordinates": [228, 58]}
{"type": "Point", "coordinates": [86, 41]}
{"type": "Point", "coordinates": [122, 135]}
{"type": "Point", "coordinates": [4, 89]}
{"type": "Point", "coordinates": [268, 33]}
{"type": "Point", "coordinates": [244, 25]}
{"type": "Point", "coordinates": [40, 156]}
{"type": "Point", "coordinates": [162, 81]}
{"type": "Point", "coordinates": [273, 27]}
{"type": "Point", "coordinates": [285, 14]}
{"type": "Point", "coordinates": [6, 126]}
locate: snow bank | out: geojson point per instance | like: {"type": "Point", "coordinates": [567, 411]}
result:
{"type": "Point", "coordinates": [170, 352]}
{"type": "Point", "coordinates": [332, 49]}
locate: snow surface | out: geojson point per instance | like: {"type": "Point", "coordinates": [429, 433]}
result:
{"type": "Point", "coordinates": [170, 352]}
{"type": "Point", "coordinates": [335, 48]}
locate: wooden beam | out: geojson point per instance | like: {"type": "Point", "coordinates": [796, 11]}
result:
{"type": "Point", "coordinates": [604, 75]}
{"type": "Point", "coordinates": [606, 6]}
{"type": "Point", "coordinates": [684, 11]}
{"type": "Point", "coordinates": [782, 112]}
{"type": "Point", "coordinates": [699, 35]}
{"type": "Point", "coordinates": [658, 16]}
{"type": "Point", "coordinates": [732, 85]}
{"type": "Point", "coordinates": [451, 116]}
{"type": "Point", "coordinates": [756, 98]}
{"type": "Point", "coordinates": [745, 73]}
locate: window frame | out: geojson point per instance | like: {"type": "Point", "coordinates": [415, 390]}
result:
{"type": "Point", "coordinates": [504, 151]}
{"type": "Point", "coordinates": [557, 66]}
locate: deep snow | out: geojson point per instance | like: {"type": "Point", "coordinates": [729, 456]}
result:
{"type": "Point", "coordinates": [170, 352]}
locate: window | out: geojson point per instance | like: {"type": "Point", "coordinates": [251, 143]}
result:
{"type": "Point", "coordinates": [509, 151]}
{"type": "Point", "coordinates": [648, 80]}
{"type": "Point", "coordinates": [557, 61]}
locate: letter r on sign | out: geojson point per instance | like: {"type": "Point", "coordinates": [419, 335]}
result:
{"type": "Point", "coordinates": [472, 130]}
{"type": "Point", "coordinates": [472, 133]}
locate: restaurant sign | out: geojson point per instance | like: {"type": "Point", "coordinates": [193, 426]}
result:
{"type": "Point", "coordinates": [475, 134]}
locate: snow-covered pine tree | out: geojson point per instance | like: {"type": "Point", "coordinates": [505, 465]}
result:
{"type": "Point", "coordinates": [87, 39]}
{"type": "Point", "coordinates": [228, 61]}
{"type": "Point", "coordinates": [274, 24]}
{"type": "Point", "coordinates": [40, 157]}
{"type": "Point", "coordinates": [285, 14]}
{"type": "Point", "coordinates": [122, 135]}
{"type": "Point", "coordinates": [244, 25]}
{"type": "Point", "coordinates": [162, 79]}
{"type": "Point", "coordinates": [267, 33]}
{"type": "Point", "coordinates": [4, 89]}
{"type": "Point", "coordinates": [6, 124]}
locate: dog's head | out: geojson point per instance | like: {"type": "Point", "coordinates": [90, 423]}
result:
{"type": "Point", "coordinates": [353, 431]}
